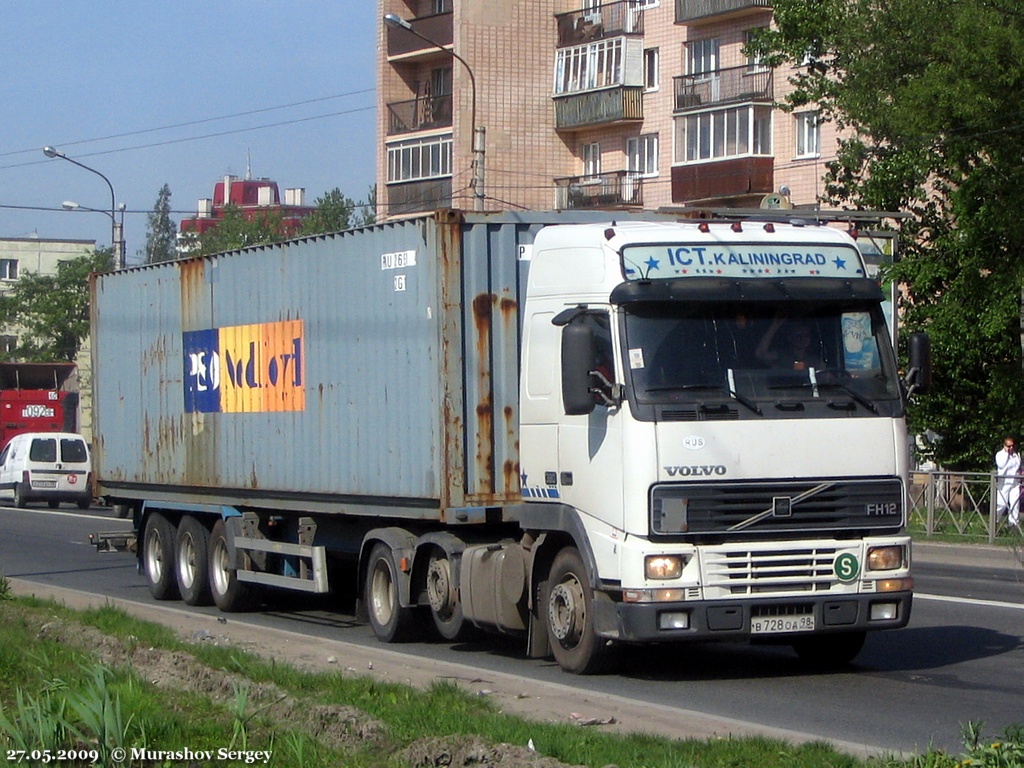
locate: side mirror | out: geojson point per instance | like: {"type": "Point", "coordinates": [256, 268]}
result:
{"type": "Point", "coordinates": [919, 375]}
{"type": "Point", "coordinates": [578, 349]}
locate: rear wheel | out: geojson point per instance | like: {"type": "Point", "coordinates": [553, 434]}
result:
{"type": "Point", "coordinates": [52, 503]}
{"type": "Point", "coordinates": [391, 622]}
{"type": "Point", "coordinates": [192, 552]}
{"type": "Point", "coordinates": [576, 646]}
{"type": "Point", "coordinates": [158, 557]}
{"type": "Point", "coordinates": [20, 496]}
{"type": "Point", "coordinates": [84, 503]}
{"type": "Point", "coordinates": [230, 594]}
{"type": "Point", "coordinates": [833, 650]}
{"type": "Point", "coordinates": [443, 596]}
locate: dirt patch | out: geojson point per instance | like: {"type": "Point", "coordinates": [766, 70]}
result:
{"type": "Point", "coordinates": [471, 752]}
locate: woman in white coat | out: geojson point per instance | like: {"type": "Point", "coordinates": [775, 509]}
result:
{"type": "Point", "coordinates": [1008, 482]}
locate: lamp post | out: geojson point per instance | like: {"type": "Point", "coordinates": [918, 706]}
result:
{"type": "Point", "coordinates": [479, 132]}
{"type": "Point", "coordinates": [116, 232]}
{"type": "Point", "coordinates": [117, 226]}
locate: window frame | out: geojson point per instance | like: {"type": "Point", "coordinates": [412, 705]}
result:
{"type": "Point", "coordinates": [416, 159]}
{"type": "Point", "coordinates": [642, 155]}
{"type": "Point", "coordinates": [807, 132]}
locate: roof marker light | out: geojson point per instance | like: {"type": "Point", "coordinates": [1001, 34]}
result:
{"type": "Point", "coordinates": [853, 232]}
{"type": "Point", "coordinates": [609, 233]}
{"type": "Point", "coordinates": [737, 227]}
{"type": "Point", "coordinates": [769, 227]}
{"type": "Point", "coordinates": [703, 227]}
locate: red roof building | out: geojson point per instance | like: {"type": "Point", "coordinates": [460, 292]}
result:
{"type": "Point", "coordinates": [253, 198]}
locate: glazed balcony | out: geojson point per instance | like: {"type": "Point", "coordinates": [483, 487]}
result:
{"type": "Point", "coordinates": [421, 114]}
{"type": "Point", "coordinates": [698, 11]}
{"type": "Point", "coordinates": [609, 20]}
{"type": "Point", "coordinates": [405, 45]}
{"type": "Point", "coordinates": [605, 106]}
{"type": "Point", "coordinates": [617, 189]}
{"type": "Point", "coordinates": [723, 86]}
{"type": "Point", "coordinates": [735, 177]}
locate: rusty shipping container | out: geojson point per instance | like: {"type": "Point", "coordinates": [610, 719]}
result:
{"type": "Point", "coordinates": [369, 370]}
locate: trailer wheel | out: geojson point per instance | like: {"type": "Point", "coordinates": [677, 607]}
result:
{"type": "Point", "coordinates": [829, 651]}
{"type": "Point", "coordinates": [191, 560]}
{"type": "Point", "coordinates": [391, 622]}
{"type": "Point", "coordinates": [575, 645]}
{"type": "Point", "coordinates": [158, 557]}
{"type": "Point", "coordinates": [229, 594]}
{"type": "Point", "coordinates": [20, 496]}
{"type": "Point", "coordinates": [443, 596]}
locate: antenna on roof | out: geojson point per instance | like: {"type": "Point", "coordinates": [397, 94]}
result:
{"type": "Point", "coordinates": [248, 165]}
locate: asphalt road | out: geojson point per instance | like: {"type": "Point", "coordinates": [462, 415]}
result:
{"type": "Point", "coordinates": [961, 658]}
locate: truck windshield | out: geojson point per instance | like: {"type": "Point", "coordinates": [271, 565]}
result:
{"type": "Point", "coordinates": [759, 352]}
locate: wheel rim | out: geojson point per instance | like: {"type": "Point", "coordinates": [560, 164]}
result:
{"type": "Point", "coordinates": [439, 589]}
{"type": "Point", "coordinates": [187, 560]}
{"type": "Point", "coordinates": [382, 593]}
{"type": "Point", "coordinates": [566, 612]}
{"type": "Point", "coordinates": [219, 575]}
{"type": "Point", "coordinates": [154, 556]}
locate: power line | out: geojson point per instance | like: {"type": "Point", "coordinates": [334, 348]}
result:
{"type": "Point", "coordinates": [193, 122]}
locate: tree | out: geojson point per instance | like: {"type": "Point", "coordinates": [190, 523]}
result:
{"type": "Point", "coordinates": [161, 231]}
{"type": "Point", "coordinates": [235, 230]}
{"type": "Point", "coordinates": [335, 212]}
{"type": "Point", "coordinates": [930, 91]}
{"type": "Point", "coordinates": [51, 312]}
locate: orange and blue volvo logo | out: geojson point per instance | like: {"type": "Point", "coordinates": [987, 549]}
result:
{"type": "Point", "coordinates": [245, 368]}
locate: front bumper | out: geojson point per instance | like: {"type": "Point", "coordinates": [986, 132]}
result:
{"type": "Point", "coordinates": [646, 622]}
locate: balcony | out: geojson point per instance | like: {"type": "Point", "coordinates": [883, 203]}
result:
{"type": "Point", "coordinates": [421, 114]}
{"type": "Point", "coordinates": [736, 177]}
{"type": "Point", "coordinates": [617, 189]}
{"type": "Point", "coordinates": [698, 11]}
{"type": "Point", "coordinates": [418, 196]}
{"type": "Point", "coordinates": [723, 86]}
{"type": "Point", "coordinates": [405, 45]}
{"type": "Point", "coordinates": [608, 20]}
{"type": "Point", "coordinates": [606, 106]}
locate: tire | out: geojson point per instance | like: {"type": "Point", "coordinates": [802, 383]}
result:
{"type": "Point", "coordinates": [20, 496]}
{"type": "Point", "coordinates": [390, 621]}
{"type": "Point", "coordinates": [121, 510]}
{"type": "Point", "coordinates": [829, 651]}
{"type": "Point", "coordinates": [158, 557]}
{"type": "Point", "coordinates": [227, 592]}
{"type": "Point", "coordinates": [84, 503]}
{"type": "Point", "coordinates": [443, 596]}
{"type": "Point", "coordinates": [52, 503]}
{"type": "Point", "coordinates": [192, 562]}
{"type": "Point", "coordinates": [575, 645]}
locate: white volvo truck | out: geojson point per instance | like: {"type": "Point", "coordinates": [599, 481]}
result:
{"type": "Point", "coordinates": [592, 433]}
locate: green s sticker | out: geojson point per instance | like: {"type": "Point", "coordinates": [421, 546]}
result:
{"type": "Point", "coordinates": [847, 567]}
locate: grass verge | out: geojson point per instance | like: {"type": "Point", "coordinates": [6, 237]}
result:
{"type": "Point", "coordinates": [102, 683]}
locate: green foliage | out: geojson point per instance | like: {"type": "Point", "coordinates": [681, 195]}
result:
{"type": "Point", "coordinates": [237, 230]}
{"type": "Point", "coordinates": [931, 91]}
{"type": "Point", "coordinates": [51, 312]}
{"type": "Point", "coordinates": [161, 231]}
{"type": "Point", "coordinates": [334, 212]}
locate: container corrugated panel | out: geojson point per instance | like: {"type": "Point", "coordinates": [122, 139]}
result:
{"type": "Point", "coordinates": [374, 367]}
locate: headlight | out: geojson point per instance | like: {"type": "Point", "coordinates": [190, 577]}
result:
{"type": "Point", "coordinates": [664, 566]}
{"type": "Point", "coordinates": [885, 558]}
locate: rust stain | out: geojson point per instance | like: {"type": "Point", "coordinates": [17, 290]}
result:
{"type": "Point", "coordinates": [484, 454]}
{"type": "Point", "coordinates": [511, 476]}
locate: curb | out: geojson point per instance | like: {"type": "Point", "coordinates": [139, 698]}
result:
{"type": "Point", "coordinates": [973, 555]}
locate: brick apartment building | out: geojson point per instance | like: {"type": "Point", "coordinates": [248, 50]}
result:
{"type": "Point", "coordinates": [627, 104]}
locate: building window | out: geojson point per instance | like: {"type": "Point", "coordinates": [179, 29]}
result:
{"type": "Point", "coordinates": [648, 3]}
{"type": "Point", "coordinates": [8, 344]}
{"type": "Point", "coordinates": [642, 154]}
{"type": "Point", "coordinates": [651, 82]}
{"type": "Point", "coordinates": [702, 56]}
{"type": "Point", "coordinates": [416, 159]}
{"type": "Point", "coordinates": [754, 63]}
{"type": "Point", "coordinates": [585, 67]}
{"type": "Point", "coordinates": [724, 133]}
{"type": "Point", "coordinates": [591, 160]}
{"type": "Point", "coordinates": [8, 269]}
{"type": "Point", "coordinates": [808, 134]}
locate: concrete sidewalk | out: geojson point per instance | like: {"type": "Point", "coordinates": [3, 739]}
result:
{"type": "Point", "coordinates": [973, 555]}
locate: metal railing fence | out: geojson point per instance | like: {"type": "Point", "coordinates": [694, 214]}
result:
{"type": "Point", "coordinates": [958, 503]}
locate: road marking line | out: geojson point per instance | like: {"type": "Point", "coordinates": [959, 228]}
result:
{"type": "Point", "coordinates": [967, 601]}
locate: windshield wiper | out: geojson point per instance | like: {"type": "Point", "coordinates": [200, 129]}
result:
{"type": "Point", "coordinates": [712, 387]}
{"type": "Point", "coordinates": [830, 385]}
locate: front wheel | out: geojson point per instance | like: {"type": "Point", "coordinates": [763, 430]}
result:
{"type": "Point", "coordinates": [229, 594]}
{"type": "Point", "coordinates": [158, 557]}
{"type": "Point", "coordinates": [576, 646]}
{"type": "Point", "coordinates": [833, 650]}
{"type": "Point", "coordinates": [391, 622]}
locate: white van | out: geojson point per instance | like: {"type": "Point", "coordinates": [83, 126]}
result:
{"type": "Point", "coordinates": [47, 466]}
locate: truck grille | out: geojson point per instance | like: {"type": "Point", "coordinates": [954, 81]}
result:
{"type": "Point", "coordinates": [738, 572]}
{"type": "Point", "coordinates": [745, 508]}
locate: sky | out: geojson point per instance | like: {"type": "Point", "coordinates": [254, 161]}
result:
{"type": "Point", "coordinates": [150, 93]}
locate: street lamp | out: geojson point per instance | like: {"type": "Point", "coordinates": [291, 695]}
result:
{"type": "Point", "coordinates": [397, 22]}
{"type": "Point", "coordinates": [117, 226]}
{"type": "Point", "coordinates": [116, 232]}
